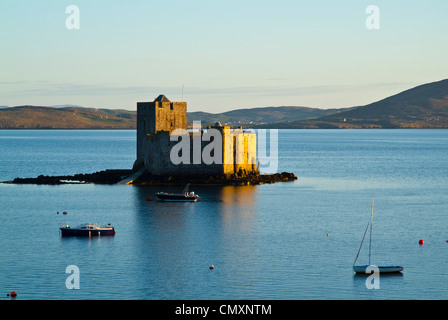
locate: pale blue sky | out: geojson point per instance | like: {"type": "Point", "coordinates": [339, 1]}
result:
{"type": "Point", "coordinates": [228, 54]}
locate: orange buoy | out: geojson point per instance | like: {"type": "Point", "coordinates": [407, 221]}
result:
{"type": "Point", "coordinates": [421, 241]}
{"type": "Point", "coordinates": [13, 294]}
{"type": "Point", "coordinates": [212, 267]}
{"type": "Point", "coordinates": [148, 199]}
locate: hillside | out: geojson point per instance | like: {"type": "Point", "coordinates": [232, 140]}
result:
{"type": "Point", "coordinates": [32, 117]}
{"type": "Point", "coordinates": [264, 115]}
{"type": "Point", "coordinates": [75, 117]}
{"type": "Point", "coordinates": [425, 106]}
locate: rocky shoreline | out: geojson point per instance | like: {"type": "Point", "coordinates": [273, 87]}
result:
{"type": "Point", "coordinates": [116, 176]}
{"type": "Point", "coordinates": [234, 179]}
{"type": "Point", "coordinates": [100, 177]}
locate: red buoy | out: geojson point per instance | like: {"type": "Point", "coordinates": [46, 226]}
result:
{"type": "Point", "coordinates": [212, 267]}
{"type": "Point", "coordinates": [421, 241]}
{"type": "Point", "coordinates": [13, 294]}
{"type": "Point", "coordinates": [148, 199]}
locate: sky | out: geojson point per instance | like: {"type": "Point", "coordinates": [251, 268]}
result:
{"type": "Point", "coordinates": [219, 55]}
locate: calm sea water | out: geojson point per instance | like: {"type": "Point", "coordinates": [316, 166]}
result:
{"type": "Point", "coordinates": [294, 240]}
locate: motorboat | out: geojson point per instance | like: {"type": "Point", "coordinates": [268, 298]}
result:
{"type": "Point", "coordinates": [87, 230]}
{"type": "Point", "coordinates": [189, 196]}
{"type": "Point", "coordinates": [184, 196]}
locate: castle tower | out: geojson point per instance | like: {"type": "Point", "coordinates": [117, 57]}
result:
{"type": "Point", "coordinates": [157, 116]}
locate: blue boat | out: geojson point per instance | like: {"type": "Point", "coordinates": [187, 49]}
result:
{"type": "Point", "coordinates": [87, 230]}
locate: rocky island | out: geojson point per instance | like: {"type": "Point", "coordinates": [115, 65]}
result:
{"type": "Point", "coordinates": [218, 155]}
{"type": "Point", "coordinates": [146, 178]}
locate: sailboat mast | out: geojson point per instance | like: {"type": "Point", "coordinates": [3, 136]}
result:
{"type": "Point", "coordinates": [371, 222]}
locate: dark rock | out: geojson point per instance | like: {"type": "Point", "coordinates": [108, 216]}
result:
{"type": "Point", "coordinates": [114, 176]}
{"type": "Point", "coordinates": [234, 179]}
{"type": "Point", "coordinates": [100, 177]}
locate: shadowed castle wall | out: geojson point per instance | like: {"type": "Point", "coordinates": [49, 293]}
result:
{"type": "Point", "coordinates": [156, 116]}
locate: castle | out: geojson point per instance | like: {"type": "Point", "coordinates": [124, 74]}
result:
{"type": "Point", "coordinates": [165, 147]}
{"type": "Point", "coordinates": [168, 153]}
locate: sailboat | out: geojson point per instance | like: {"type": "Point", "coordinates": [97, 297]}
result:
{"type": "Point", "coordinates": [363, 268]}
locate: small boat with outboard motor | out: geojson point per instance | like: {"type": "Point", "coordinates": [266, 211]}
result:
{"type": "Point", "coordinates": [184, 196]}
{"type": "Point", "coordinates": [87, 230]}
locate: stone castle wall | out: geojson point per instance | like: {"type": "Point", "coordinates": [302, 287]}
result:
{"type": "Point", "coordinates": [157, 120]}
{"type": "Point", "coordinates": [239, 151]}
{"type": "Point", "coordinates": [156, 116]}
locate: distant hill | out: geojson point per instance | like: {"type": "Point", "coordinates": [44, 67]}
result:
{"type": "Point", "coordinates": [262, 115]}
{"type": "Point", "coordinates": [32, 117]}
{"type": "Point", "coordinates": [425, 106]}
{"type": "Point", "coordinates": [75, 117]}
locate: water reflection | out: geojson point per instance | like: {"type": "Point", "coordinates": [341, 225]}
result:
{"type": "Point", "coordinates": [223, 202]}
{"type": "Point", "coordinates": [238, 202]}
{"type": "Point", "coordinates": [240, 195]}
{"type": "Point", "coordinates": [178, 241]}
{"type": "Point", "coordinates": [95, 240]}
{"type": "Point", "coordinates": [166, 216]}
{"type": "Point", "coordinates": [388, 285]}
